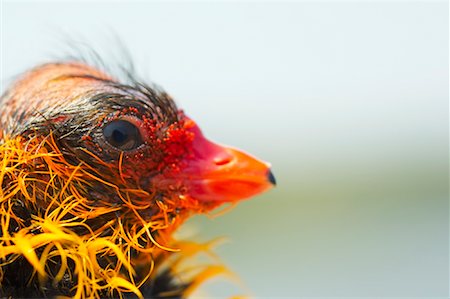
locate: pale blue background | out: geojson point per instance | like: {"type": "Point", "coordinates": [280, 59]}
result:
{"type": "Point", "coordinates": [347, 100]}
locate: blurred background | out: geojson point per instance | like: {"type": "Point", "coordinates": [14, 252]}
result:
{"type": "Point", "coordinates": [347, 100]}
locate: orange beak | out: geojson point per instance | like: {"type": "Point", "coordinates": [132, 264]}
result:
{"type": "Point", "coordinates": [217, 173]}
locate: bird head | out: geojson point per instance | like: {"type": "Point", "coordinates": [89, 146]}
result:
{"type": "Point", "coordinates": [107, 167]}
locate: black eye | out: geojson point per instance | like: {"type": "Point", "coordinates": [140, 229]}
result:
{"type": "Point", "coordinates": [122, 135]}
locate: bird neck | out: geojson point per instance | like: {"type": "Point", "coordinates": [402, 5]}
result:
{"type": "Point", "coordinates": [63, 220]}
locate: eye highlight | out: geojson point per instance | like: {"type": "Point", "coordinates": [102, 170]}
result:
{"type": "Point", "coordinates": [122, 135]}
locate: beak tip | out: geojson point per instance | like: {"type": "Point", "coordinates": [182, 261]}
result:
{"type": "Point", "coordinates": [271, 178]}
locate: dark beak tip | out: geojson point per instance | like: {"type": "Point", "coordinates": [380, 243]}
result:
{"type": "Point", "coordinates": [271, 178]}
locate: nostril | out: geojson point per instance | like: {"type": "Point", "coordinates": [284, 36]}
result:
{"type": "Point", "coordinates": [222, 161]}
